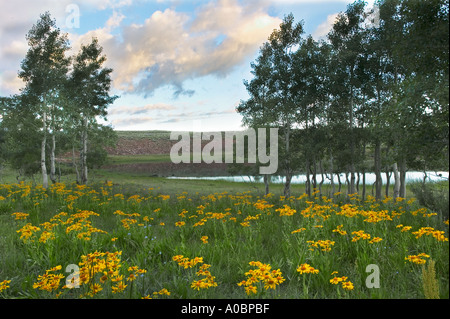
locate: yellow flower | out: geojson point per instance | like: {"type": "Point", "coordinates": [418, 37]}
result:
{"type": "Point", "coordinates": [164, 291]}
{"type": "Point", "coordinates": [204, 239]}
{"type": "Point", "coordinates": [250, 290]}
{"type": "Point", "coordinates": [180, 224]}
{"type": "Point", "coordinates": [337, 280]}
{"type": "Point", "coordinates": [119, 287]}
{"type": "Point", "coordinates": [298, 230]}
{"type": "Point", "coordinates": [4, 285]}
{"type": "Point", "coordinates": [375, 240]}
{"type": "Point", "coordinates": [49, 281]}
{"type": "Point", "coordinates": [307, 269]}
{"type": "Point", "coordinates": [270, 283]}
{"type": "Point", "coordinates": [19, 215]}
{"type": "Point", "coordinates": [348, 285]}
{"type": "Point", "coordinates": [417, 259]}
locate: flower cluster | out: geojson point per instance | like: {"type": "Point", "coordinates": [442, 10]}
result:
{"type": "Point", "coordinates": [98, 268]}
{"type": "Point", "coordinates": [307, 269]}
{"type": "Point", "coordinates": [27, 231]}
{"type": "Point", "coordinates": [134, 272]}
{"type": "Point", "coordinates": [286, 211]}
{"type": "Point", "coordinates": [298, 230]}
{"type": "Point", "coordinates": [339, 230]}
{"type": "Point", "coordinates": [207, 281]}
{"type": "Point", "coordinates": [186, 262]}
{"type": "Point", "coordinates": [262, 205]}
{"type": "Point", "coordinates": [427, 231]}
{"type": "Point", "coordinates": [49, 281]}
{"type": "Point", "coordinates": [81, 224]}
{"type": "Point", "coordinates": [324, 245]}
{"type": "Point", "coordinates": [360, 234]}
{"type": "Point", "coordinates": [261, 274]}
{"type": "Point", "coordinates": [4, 285]}
{"type": "Point", "coordinates": [20, 215]}
{"type": "Point", "coordinates": [347, 285]}
{"type": "Point", "coordinates": [403, 228]}
{"type": "Point", "coordinates": [162, 292]}
{"type": "Point", "coordinates": [417, 259]}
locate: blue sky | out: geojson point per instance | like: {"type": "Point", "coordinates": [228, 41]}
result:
{"type": "Point", "coordinates": [178, 65]}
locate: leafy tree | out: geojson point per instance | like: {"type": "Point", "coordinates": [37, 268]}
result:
{"type": "Point", "coordinates": [89, 85]}
{"type": "Point", "coordinates": [346, 37]}
{"type": "Point", "coordinates": [21, 144]}
{"type": "Point", "coordinates": [43, 71]}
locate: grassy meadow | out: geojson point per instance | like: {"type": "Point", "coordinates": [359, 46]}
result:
{"type": "Point", "coordinates": [211, 239]}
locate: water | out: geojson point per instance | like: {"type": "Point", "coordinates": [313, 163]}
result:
{"type": "Point", "coordinates": [300, 179]}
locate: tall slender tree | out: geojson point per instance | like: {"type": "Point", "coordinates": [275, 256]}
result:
{"type": "Point", "coordinates": [90, 83]}
{"type": "Point", "coordinates": [282, 43]}
{"type": "Point", "coordinates": [346, 39]}
{"type": "Point", "coordinates": [43, 71]}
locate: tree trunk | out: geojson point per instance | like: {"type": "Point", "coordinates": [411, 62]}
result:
{"type": "Point", "coordinates": [348, 184]}
{"type": "Point", "coordinates": [388, 181]}
{"type": "Point", "coordinates": [339, 181]}
{"type": "Point", "coordinates": [322, 180]}
{"type": "Point", "coordinates": [396, 181]}
{"type": "Point", "coordinates": [308, 180]}
{"type": "Point", "coordinates": [358, 177]}
{"type": "Point", "coordinates": [74, 162]}
{"type": "Point", "coordinates": [378, 181]}
{"type": "Point", "coordinates": [43, 145]}
{"type": "Point", "coordinates": [83, 153]}
{"type": "Point", "coordinates": [52, 160]}
{"type": "Point", "coordinates": [352, 146]}
{"type": "Point", "coordinates": [287, 185]}
{"type": "Point", "coordinates": [314, 173]}
{"type": "Point", "coordinates": [364, 185]}
{"type": "Point", "coordinates": [333, 190]}
{"type": "Point", "coordinates": [266, 183]}
{"type": "Point", "coordinates": [403, 178]}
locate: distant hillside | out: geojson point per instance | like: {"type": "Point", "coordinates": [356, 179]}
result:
{"type": "Point", "coordinates": [143, 143]}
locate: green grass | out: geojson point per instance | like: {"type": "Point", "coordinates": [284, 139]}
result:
{"type": "Point", "coordinates": [241, 227]}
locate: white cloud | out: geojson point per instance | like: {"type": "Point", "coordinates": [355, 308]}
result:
{"type": "Point", "coordinates": [10, 83]}
{"type": "Point", "coordinates": [324, 28]}
{"type": "Point", "coordinates": [168, 48]}
{"type": "Point", "coordinates": [171, 47]}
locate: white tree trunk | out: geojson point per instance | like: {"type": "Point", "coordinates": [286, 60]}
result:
{"type": "Point", "coordinates": [52, 160]}
{"type": "Point", "coordinates": [84, 140]}
{"type": "Point", "coordinates": [287, 185]}
{"type": "Point", "coordinates": [43, 145]}
{"type": "Point", "coordinates": [333, 187]}
{"type": "Point", "coordinates": [396, 180]}
{"type": "Point", "coordinates": [74, 162]}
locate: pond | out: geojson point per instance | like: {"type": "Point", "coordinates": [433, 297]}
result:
{"type": "Point", "coordinates": [299, 179]}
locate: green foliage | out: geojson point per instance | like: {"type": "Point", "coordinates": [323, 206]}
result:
{"type": "Point", "coordinates": [59, 105]}
{"type": "Point", "coordinates": [371, 86]}
{"type": "Point", "coordinates": [433, 195]}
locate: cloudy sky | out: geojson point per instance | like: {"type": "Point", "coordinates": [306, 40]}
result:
{"type": "Point", "coordinates": [178, 65]}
